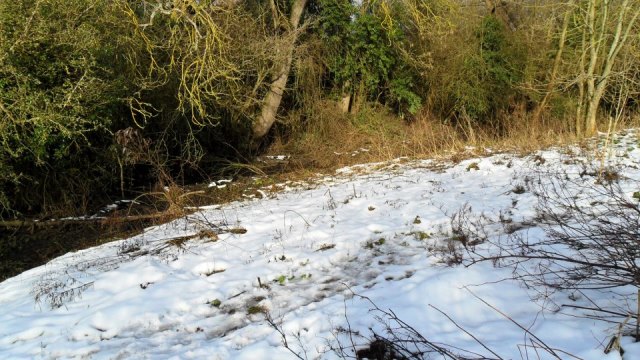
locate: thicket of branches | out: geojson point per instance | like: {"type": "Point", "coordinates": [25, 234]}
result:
{"type": "Point", "coordinates": [201, 81]}
{"type": "Point", "coordinates": [590, 244]}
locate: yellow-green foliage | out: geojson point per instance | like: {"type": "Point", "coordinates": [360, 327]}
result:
{"type": "Point", "coordinates": [488, 73]}
{"type": "Point", "coordinates": [63, 76]}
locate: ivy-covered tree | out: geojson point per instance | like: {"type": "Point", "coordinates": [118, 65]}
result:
{"type": "Point", "coordinates": [489, 74]}
{"type": "Point", "coordinates": [365, 62]}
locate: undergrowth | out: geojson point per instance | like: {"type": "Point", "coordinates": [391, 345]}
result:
{"type": "Point", "coordinates": [331, 139]}
{"type": "Point", "coordinates": [325, 142]}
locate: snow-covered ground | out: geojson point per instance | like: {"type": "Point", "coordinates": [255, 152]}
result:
{"type": "Point", "coordinates": [314, 260]}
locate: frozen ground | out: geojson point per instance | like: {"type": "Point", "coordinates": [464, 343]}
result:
{"type": "Point", "coordinates": [314, 259]}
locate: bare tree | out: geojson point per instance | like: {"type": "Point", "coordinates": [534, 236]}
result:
{"type": "Point", "coordinates": [607, 27]}
{"type": "Point", "coordinates": [593, 37]}
{"type": "Point", "coordinates": [271, 103]}
{"type": "Point", "coordinates": [553, 76]}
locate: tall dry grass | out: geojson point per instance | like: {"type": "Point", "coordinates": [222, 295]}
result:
{"type": "Point", "coordinates": [330, 139]}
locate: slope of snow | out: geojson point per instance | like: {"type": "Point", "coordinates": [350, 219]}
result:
{"type": "Point", "coordinates": [316, 258]}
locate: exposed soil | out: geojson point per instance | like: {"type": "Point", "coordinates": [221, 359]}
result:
{"type": "Point", "coordinates": [26, 247]}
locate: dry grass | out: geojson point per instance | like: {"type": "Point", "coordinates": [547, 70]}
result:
{"type": "Point", "coordinates": [332, 139]}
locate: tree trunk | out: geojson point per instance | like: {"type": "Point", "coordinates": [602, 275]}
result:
{"type": "Point", "coordinates": [556, 62]}
{"type": "Point", "coordinates": [589, 121]}
{"type": "Point", "coordinates": [271, 103]}
{"type": "Point", "coordinates": [500, 9]}
{"type": "Point", "coordinates": [345, 103]}
{"type": "Point", "coordinates": [591, 117]}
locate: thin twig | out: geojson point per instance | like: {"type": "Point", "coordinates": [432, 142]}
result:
{"type": "Point", "coordinates": [546, 347]}
{"type": "Point", "coordinates": [466, 332]}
